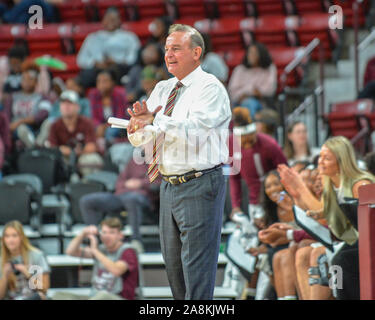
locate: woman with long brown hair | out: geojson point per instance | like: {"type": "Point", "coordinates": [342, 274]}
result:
{"type": "Point", "coordinates": [24, 271]}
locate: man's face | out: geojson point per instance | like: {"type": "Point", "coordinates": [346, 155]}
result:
{"type": "Point", "coordinates": [180, 58]}
{"type": "Point", "coordinates": [68, 109]}
{"type": "Point", "coordinates": [247, 140]}
{"type": "Point", "coordinates": [110, 236]}
{"type": "Point", "coordinates": [111, 21]}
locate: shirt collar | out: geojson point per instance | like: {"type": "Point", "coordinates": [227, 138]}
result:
{"type": "Point", "coordinates": [190, 78]}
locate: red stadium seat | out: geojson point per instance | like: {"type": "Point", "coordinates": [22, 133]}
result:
{"type": "Point", "coordinates": [308, 6]}
{"type": "Point", "coordinates": [81, 31]}
{"type": "Point", "coordinates": [230, 8]}
{"type": "Point", "coordinates": [188, 20]}
{"type": "Point", "coordinates": [272, 30]}
{"type": "Point", "coordinates": [269, 7]}
{"type": "Point", "coordinates": [145, 9]}
{"type": "Point", "coordinates": [9, 34]}
{"type": "Point", "coordinates": [316, 25]}
{"type": "Point", "coordinates": [281, 57]}
{"type": "Point", "coordinates": [76, 11]}
{"type": "Point", "coordinates": [52, 39]}
{"type": "Point", "coordinates": [225, 33]}
{"type": "Point", "coordinates": [360, 106]}
{"type": "Point", "coordinates": [183, 9]}
{"type": "Point", "coordinates": [71, 64]}
{"type": "Point", "coordinates": [347, 7]}
{"type": "Point", "coordinates": [352, 120]}
{"type": "Point", "coordinates": [140, 28]}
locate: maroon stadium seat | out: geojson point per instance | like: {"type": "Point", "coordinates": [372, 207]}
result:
{"type": "Point", "coordinates": [76, 11]}
{"type": "Point", "coordinates": [315, 25]}
{"type": "Point", "coordinates": [267, 7]}
{"type": "Point", "coordinates": [183, 9]}
{"type": "Point", "coordinates": [52, 39]}
{"type": "Point", "coordinates": [9, 34]}
{"type": "Point", "coordinates": [140, 28]}
{"type": "Point", "coordinates": [271, 30]}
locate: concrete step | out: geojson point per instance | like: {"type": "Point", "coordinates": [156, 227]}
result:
{"type": "Point", "coordinates": [345, 68]}
{"type": "Point", "coordinates": [338, 89]}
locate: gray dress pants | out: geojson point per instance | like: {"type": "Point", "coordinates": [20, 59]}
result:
{"type": "Point", "coordinates": [190, 232]}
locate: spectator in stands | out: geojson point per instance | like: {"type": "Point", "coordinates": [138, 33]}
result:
{"type": "Point", "coordinates": [132, 194]}
{"type": "Point", "coordinates": [254, 79]}
{"type": "Point", "coordinates": [277, 208]}
{"type": "Point", "coordinates": [341, 178]}
{"type": "Point", "coordinates": [28, 109]}
{"type": "Point", "coordinates": [111, 48]}
{"type": "Point", "coordinates": [72, 84]}
{"type": "Point", "coordinates": [18, 11]}
{"type": "Point", "coordinates": [150, 76]}
{"type": "Point", "coordinates": [151, 55]}
{"type": "Point", "coordinates": [74, 135]}
{"type": "Point", "coordinates": [368, 91]}
{"type": "Point", "coordinates": [115, 274]}
{"type": "Point", "coordinates": [11, 69]}
{"type": "Point", "coordinates": [299, 165]}
{"type": "Point", "coordinates": [267, 121]}
{"type": "Point", "coordinates": [212, 62]}
{"type": "Point", "coordinates": [19, 260]}
{"type": "Point", "coordinates": [256, 154]}
{"type": "Point", "coordinates": [5, 139]}
{"type": "Point", "coordinates": [159, 31]}
{"type": "Point", "coordinates": [107, 100]}
{"type": "Point", "coordinates": [296, 146]}
{"type": "Point", "coordinates": [284, 262]}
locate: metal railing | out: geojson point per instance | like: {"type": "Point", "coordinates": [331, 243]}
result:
{"type": "Point", "coordinates": [312, 94]}
{"type": "Point", "coordinates": [361, 46]}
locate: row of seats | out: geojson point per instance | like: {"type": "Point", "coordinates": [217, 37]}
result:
{"type": "Point", "coordinates": [226, 34]}
{"type": "Point", "coordinates": [354, 120]}
{"type": "Point", "coordinates": [273, 31]}
{"type": "Point", "coordinates": [93, 10]}
{"type": "Point", "coordinates": [60, 38]}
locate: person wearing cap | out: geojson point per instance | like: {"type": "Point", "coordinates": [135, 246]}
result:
{"type": "Point", "coordinates": [192, 115]}
{"type": "Point", "coordinates": [74, 134]}
{"type": "Point", "coordinates": [254, 155]}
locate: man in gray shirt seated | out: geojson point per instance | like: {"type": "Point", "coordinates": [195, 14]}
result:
{"type": "Point", "coordinates": [112, 48]}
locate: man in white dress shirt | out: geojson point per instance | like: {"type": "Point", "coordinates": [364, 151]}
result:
{"type": "Point", "coordinates": [191, 112]}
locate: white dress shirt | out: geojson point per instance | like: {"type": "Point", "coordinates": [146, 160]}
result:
{"type": "Point", "coordinates": [197, 131]}
{"type": "Point", "coordinates": [119, 45]}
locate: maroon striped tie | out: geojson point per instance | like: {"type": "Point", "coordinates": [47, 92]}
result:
{"type": "Point", "coordinates": [153, 170]}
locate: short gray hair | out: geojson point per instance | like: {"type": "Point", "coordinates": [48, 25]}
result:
{"type": "Point", "coordinates": [195, 37]}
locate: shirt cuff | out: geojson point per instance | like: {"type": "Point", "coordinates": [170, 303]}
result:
{"type": "Point", "coordinates": [289, 234]}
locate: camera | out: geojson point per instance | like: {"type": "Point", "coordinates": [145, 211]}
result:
{"type": "Point", "coordinates": [15, 271]}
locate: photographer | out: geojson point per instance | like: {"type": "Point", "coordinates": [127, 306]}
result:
{"type": "Point", "coordinates": [115, 274]}
{"type": "Point", "coordinates": [19, 259]}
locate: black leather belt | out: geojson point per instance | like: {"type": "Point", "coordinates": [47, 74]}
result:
{"type": "Point", "coordinates": [188, 176]}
